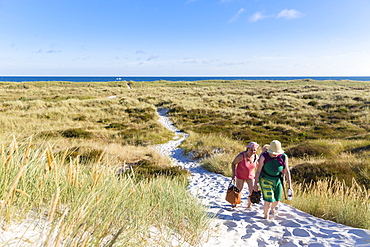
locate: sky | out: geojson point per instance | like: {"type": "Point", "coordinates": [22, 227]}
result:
{"type": "Point", "coordinates": [185, 37]}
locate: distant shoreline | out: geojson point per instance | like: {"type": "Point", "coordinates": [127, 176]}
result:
{"type": "Point", "coordinates": [175, 78]}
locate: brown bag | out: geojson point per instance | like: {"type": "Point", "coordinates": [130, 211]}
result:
{"type": "Point", "coordinates": [233, 194]}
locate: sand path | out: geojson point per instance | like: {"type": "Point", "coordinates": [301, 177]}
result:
{"type": "Point", "coordinates": [247, 227]}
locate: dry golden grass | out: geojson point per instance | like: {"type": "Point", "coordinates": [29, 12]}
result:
{"type": "Point", "coordinates": [88, 205]}
{"type": "Point", "coordinates": [333, 200]}
{"type": "Point", "coordinates": [221, 116]}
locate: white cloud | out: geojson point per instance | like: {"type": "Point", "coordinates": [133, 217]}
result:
{"type": "Point", "coordinates": [289, 14]}
{"type": "Point", "coordinates": [285, 13]}
{"type": "Point", "coordinates": [189, 61]}
{"type": "Point", "coordinates": [152, 57]}
{"type": "Point", "coordinates": [53, 51]}
{"type": "Point", "coordinates": [237, 15]}
{"type": "Point", "coordinates": [49, 51]}
{"type": "Point", "coordinates": [257, 16]}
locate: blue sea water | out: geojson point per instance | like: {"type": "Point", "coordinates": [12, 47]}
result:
{"type": "Point", "coordinates": [173, 78]}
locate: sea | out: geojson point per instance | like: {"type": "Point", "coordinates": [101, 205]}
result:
{"type": "Point", "coordinates": [173, 78]}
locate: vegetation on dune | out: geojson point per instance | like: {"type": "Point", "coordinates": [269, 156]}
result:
{"type": "Point", "coordinates": [332, 199]}
{"type": "Point", "coordinates": [82, 133]}
{"type": "Point", "coordinates": [88, 204]}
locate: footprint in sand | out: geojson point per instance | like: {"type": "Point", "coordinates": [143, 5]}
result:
{"type": "Point", "coordinates": [287, 233]}
{"type": "Point", "coordinates": [230, 224]}
{"type": "Point", "coordinates": [290, 223]}
{"type": "Point", "coordinates": [300, 233]}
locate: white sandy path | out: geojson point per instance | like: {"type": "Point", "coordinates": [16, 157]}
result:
{"type": "Point", "coordinates": [246, 227]}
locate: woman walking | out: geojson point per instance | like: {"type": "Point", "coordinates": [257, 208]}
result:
{"type": "Point", "coordinates": [272, 166]}
{"type": "Point", "coordinates": [243, 168]}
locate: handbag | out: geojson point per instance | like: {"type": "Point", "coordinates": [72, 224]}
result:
{"type": "Point", "coordinates": [255, 197]}
{"type": "Point", "coordinates": [233, 194]}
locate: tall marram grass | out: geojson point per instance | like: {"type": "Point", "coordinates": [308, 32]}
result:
{"type": "Point", "coordinates": [215, 151]}
{"type": "Point", "coordinates": [334, 200]}
{"type": "Point", "coordinates": [220, 116]}
{"type": "Point", "coordinates": [88, 205]}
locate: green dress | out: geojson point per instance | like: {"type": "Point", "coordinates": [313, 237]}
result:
{"type": "Point", "coordinates": [270, 180]}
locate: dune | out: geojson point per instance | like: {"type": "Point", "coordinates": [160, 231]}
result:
{"type": "Point", "coordinates": [241, 226]}
{"type": "Point", "coordinates": [230, 227]}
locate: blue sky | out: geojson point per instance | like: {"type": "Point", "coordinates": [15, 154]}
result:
{"type": "Point", "coordinates": [185, 37]}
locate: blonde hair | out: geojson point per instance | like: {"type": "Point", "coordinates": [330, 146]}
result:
{"type": "Point", "coordinates": [265, 147]}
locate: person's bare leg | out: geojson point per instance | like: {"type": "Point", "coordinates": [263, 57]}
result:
{"type": "Point", "coordinates": [239, 184]}
{"type": "Point", "coordinates": [266, 209]}
{"type": "Point", "coordinates": [273, 206]}
{"type": "Point", "coordinates": [250, 183]}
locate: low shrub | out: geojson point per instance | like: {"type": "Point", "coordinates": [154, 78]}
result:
{"type": "Point", "coordinates": [324, 131]}
{"type": "Point", "coordinates": [306, 123]}
{"type": "Point", "coordinates": [361, 149]}
{"type": "Point", "coordinates": [142, 118]}
{"type": "Point", "coordinates": [117, 126]}
{"type": "Point", "coordinates": [360, 137]}
{"type": "Point", "coordinates": [176, 109]}
{"type": "Point", "coordinates": [313, 103]}
{"type": "Point", "coordinates": [358, 99]}
{"type": "Point", "coordinates": [77, 133]}
{"type": "Point", "coordinates": [326, 106]}
{"type": "Point", "coordinates": [341, 110]}
{"type": "Point", "coordinates": [140, 115]}
{"type": "Point", "coordinates": [104, 120]}
{"type": "Point", "coordinates": [308, 149]}
{"type": "Point", "coordinates": [243, 135]}
{"type": "Point", "coordinates": [208, 129]}
{"type": "Point", "coordinates": [145, 170]}
{"type": "Point", "coordinates": [255, 122]}
{"type": "Point", "coordinates": [307, 173]}
{"type": "Point", "coordinates": [80, 118]}
{"type": "Point", "coordinates": [85, 155]}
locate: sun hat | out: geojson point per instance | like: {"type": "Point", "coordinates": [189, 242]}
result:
{"type": "Point", "coordinates": [275, 148]}
{"type": "Point", "coordinates": [252, 145]}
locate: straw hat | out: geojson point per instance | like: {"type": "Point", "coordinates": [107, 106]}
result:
{"type": "Point", "coordinates": [275, 148]}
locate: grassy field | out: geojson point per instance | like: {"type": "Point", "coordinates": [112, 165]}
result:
{"type": "Point", "coordinates": [63, 142]}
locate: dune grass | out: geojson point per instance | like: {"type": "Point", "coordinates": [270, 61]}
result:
{"type": "Point", "coordinates": [89, 205]}
{"type": "Point", "coordinates": [94, 128]}
{"type": "Point", "coordinates": [333, 200]}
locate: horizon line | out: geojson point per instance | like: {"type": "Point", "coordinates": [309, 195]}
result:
{"type": "Point", "coordinates": [191, 75]}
